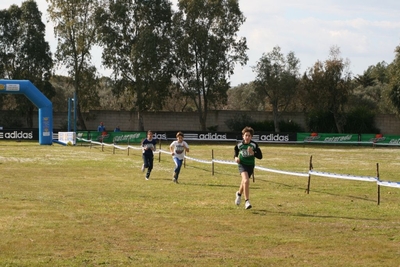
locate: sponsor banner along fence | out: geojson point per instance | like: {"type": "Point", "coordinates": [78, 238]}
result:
{"type": "Point", "coordinates": [112, 137]}
{"type": "Point", "coordinates": [212, 161]}
{"type": "Point", "coordinates": [19, 134]}
{"type": "Point", "coordinates": [359, 139]}
{"type": "Point", "coordinates": [262, 137]}
{"type": "Point", "coordinates": [328, 138]}
{"type": "Point", "coordinates": [380, 139]}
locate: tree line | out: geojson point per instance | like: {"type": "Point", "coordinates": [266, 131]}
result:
{"type": "Point", "coordinates": [179, 60]}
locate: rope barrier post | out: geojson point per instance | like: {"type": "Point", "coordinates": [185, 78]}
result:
{"type": "Point", "coordinates": [159, 151]}
{"type": "Point", "coordinates": [309, 176]}
{"type": "Point", "coordinates": [102, 145]}
{"type": "Point", "coordinates": [128, 147]}
{"type": "Point", "coordinates": [113, 149]}
{"type": "Point", "coordinates": [212, 162]}
{"type": "Point", "coordinates": [379, 187]}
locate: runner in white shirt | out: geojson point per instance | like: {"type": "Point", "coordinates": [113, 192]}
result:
{"type": "Point", "coordinates": [178, 149]}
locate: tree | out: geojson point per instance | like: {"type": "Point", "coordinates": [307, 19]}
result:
{"type": "Point", "coordinates": [394, 81]}
{"type": "Point", "coordinates": [9, 45]}
{"type": "Point", "coordinates": [380, 72]}
{"type": "Point", "coordinates": [24, 53]}
{"type": "Point", "coordinates": [206, 50]}
{"type": "Point", "coordinates": [178, 101]}
{"type": "Point", "coordinates": [365, 80]}
{"type": "Point", "coordinates": [326, 87]}
{"type": "Point", "coordinates": [244, 97]}
{"type": "Point", "coordinates": [136, 38]}
{"type": "Point", "coordinates": [76, 30]}
{"type": "Point", "coordinates": [372, 90]}
{"type": "Point", "coordinates": [277, 79]}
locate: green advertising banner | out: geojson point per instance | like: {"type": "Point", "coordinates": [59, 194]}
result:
{"type": "Point", "coordinates": [381, 139]}
{"type": "Point", "coordinates": [327, 138]}
{"type": "Point", "coordinates": [112, 137]}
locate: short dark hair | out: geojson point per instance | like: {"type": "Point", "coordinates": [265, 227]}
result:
{"type": "Point", "coordinates": [179, 134]}
{"type": "Point", "coordinates": [248, 129]}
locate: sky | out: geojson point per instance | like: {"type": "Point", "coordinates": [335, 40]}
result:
{"type": "Point", "coordinates": [366, 31]}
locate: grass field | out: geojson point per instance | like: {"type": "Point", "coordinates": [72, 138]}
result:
{"type": "Point", "coordinates": [81, 206]}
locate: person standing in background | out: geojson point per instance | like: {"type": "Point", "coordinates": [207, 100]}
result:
{"type": "Point", "coordinates": [101, 128]}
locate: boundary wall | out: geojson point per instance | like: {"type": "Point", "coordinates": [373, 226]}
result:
{"type": "Point", "coordinates": [188, 121]}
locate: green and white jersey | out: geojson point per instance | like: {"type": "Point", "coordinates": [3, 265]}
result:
{"type": "Point", "coordinates": [241, 151]}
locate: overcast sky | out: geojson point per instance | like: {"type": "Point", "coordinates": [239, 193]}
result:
{"type": "Point", "coordinates": [366, 31]}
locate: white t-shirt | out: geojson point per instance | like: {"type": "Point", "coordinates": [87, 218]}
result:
{"type": "Point", "coordinates": [179, 148]}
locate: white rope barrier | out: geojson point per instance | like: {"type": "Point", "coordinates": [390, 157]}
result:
{"type": "Point", "coordinates": [133, 147]}
{"type": "Point", "coordinates": [122, 148]}
{"type": "Point", "coordinates": [100, 143]}
{"type": "Point", "coordinates": [225, 161]}
{"type": "Point", "coordinates": [164, 151]}
{"type": "Point", "coordinates": [344, 176]}
{"type": "Point", "coordinates": [389, 184]}
{"type": "Point", "coordinates": [282, 172]}
{"type": "Point", "coordinates": [199, 160]}
{"type": "Point", "coordinates": [300, 174]}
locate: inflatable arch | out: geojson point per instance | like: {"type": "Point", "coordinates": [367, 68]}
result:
{"type": "Point", "coordinates": [41, 102]}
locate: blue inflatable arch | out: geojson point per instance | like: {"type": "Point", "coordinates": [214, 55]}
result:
{"type": "Point", "coordinates": [39, 100]}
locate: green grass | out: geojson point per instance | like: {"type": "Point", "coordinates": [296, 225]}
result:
{"type": "Point", "coordinates": [81, 206]}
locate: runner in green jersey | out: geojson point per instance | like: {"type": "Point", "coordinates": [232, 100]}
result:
{"type": "Point", "coordinates": [245, 153]}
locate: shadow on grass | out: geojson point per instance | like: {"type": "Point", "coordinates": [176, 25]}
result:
{"type": "Point", "coordinates": [216, 172]}
{"type": "Point", "coordinates": [277, 183]}
{"type": "Point", "coordinates": [197, 168]}
{"type": "Point", "coordinates": [264, 212]}
{"type": "Point", "coordinates": [316, 191]}
{"type": "Point", "coordinates": [185, 181]}
{"type": "Point", "coordinates": [212, 185]}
